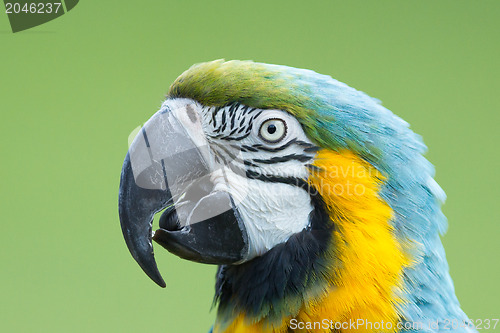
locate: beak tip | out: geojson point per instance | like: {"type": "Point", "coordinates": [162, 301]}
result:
{"type": "Point", "coordinates": [156, 277]}
{"type": "Point", "coordinates": [160, 282]}
{"type": "Point", "coordinates": [148, 265]}
{"type": "Point", "coordinates": [153, 274]}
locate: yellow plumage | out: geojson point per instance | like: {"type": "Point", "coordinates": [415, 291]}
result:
{"type": "Point", "coordinates": [367, 274]}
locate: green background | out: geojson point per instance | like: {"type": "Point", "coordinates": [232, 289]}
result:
{"type": "Point", "coordinates": [73, 89]}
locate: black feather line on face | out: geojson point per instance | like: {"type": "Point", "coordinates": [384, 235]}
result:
{"type": "Point", "coordinates": [294, 181]}
{"type": "Point", "coordinates": [286, 158]}
{"type": "Point", "coordinates": [273, 285]}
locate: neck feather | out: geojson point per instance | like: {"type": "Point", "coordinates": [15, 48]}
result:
{"type": "Point", "coordinates": [274, 286]}
{"type": "Point", "coordinates": [346, 266]}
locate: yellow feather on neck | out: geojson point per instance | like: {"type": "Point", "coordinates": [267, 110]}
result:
{"type": "Point", "coordinates": [367, 273]}
{"type": "Point", "coordinates": [368, 276]}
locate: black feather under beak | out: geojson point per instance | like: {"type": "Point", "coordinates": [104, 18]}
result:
{"type": "Point", "coordinates": [168, 167]}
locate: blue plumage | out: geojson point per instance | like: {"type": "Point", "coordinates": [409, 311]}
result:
{"type": "Point", "coordinates": [362, 124]}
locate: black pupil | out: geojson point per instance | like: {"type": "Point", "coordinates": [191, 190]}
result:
{"type": "Point", "coordinates": [271, 129]}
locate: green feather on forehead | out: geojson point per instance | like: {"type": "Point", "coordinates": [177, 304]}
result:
{"type": "Point", "coordinates": [263, 86]}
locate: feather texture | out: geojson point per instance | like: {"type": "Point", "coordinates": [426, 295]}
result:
{"type": "Point", "coordinates": [348, 124]}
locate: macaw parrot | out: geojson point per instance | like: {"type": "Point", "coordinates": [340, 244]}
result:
{"type": "Point", "coordinates": [313, 199]}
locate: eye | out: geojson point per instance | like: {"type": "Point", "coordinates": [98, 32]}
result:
{"type": "Point", "coordinates": [272, 130]}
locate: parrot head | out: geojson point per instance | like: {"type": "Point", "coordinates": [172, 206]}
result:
{"type": "Point", "coordinates": [314, 200]}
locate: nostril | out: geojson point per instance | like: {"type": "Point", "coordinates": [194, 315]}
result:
{"type": "Point", "coordinates": [169, 220]}
{"type": "Point", "coordinates": [191, 113]}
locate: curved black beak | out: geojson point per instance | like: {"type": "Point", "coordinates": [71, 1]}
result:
{"type": "Point", "coordinates": [137, 207]}
{"type": "Point", "coordinates": [168, 166]}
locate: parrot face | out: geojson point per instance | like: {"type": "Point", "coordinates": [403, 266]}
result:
{"type": "Point", "coordinates": [314, 200]}
{"type": "Point", "coordinates": [232, 180]}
